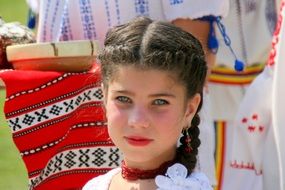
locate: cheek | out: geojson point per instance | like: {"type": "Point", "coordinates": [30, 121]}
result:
{"type": "Point", "coordinates": [116, 118]}
{"type": "Point", "coordinates": [112, 111]}
{"type": "Point", "coordinates": [170, 124]}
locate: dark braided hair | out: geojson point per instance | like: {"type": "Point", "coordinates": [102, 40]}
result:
{"type": "Point", "coordinates": [189, 159]}
{"type": "Point", "coordinates": [147, 45]}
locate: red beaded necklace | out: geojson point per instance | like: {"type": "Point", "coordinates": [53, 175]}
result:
{"type": "Point", "coordinates": [133, 174]}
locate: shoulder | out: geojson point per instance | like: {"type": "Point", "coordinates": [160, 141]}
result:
{"type": "Point", "coordinates": [176, 178]}
{"type": "Point", "coordinates": [101, 182]}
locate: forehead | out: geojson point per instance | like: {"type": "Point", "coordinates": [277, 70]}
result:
{"type": "Point", "coordinates": [150, 79]}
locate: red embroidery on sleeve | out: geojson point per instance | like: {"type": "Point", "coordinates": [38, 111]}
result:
{"type": "Point", "coordinates": [245, 165]}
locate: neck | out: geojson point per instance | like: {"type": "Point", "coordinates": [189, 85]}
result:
{"type": "Point", "coordinates": [153, 163]}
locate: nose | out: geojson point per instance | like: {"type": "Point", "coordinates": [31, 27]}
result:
{"type": "Point", "coordinates": [138, 117]}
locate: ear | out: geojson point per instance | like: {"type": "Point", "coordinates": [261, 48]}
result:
{"type": "Point", "coordinates": [192, 106]}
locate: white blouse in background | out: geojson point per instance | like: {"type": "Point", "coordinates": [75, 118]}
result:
{"type": "Point", "coordinates": [90, 19]}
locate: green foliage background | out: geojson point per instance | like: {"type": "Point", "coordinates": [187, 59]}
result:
{"type": "Point", "coordinates": [13, 175]}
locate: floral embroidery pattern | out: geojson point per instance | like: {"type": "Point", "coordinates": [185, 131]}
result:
{"type": "Point", "coordinates": [253, 124]}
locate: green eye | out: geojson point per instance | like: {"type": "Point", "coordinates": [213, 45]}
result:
{"type": "Point", "coordinates": [160, 102]}
{"type": "Point", "coordinates": [123, 99]}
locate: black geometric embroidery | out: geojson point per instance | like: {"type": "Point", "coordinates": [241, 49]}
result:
{"type": "Point", "coordinates": [98, 93]}
{"type": "Point", "coordinates": [78, 100]}
{"type": "Point", "coordinates": [68, 105]}
{"type": "Point", "coordinates": [48, 168]}
{"type": "Point", "coordinates": [41, 115]}
{"type": "Point", "coordinates": [34, 183]}
{"type": "Point", "coordinates": [114, 157]}
{"type": "Point", "coordinates": [55, 110]}
{"type": "Point", "coordinates": [86, 96]}
{"type": "Point", "coordinates": [15, 124]}
{"type": "Point", "coordinates": [68, 161]}
{"type": "Point", "coordinates": [83, 158]}
{"type": "Point", "coordinates": [40, 178]}
{"type": "Point", "coordinates": [58, 162]}
{"type": "Point", "coordinates": [99, 155]}
{"type": "Point", "coordinates": [28, 120]}
{"type": "Point", "coordinates": [69, 157]}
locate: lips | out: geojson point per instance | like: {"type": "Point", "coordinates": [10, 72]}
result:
{"type": "Point", "coordinates": [138, 141]}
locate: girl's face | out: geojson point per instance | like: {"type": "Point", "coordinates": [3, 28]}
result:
{"type": "Point", "coordinates": [146, 112]}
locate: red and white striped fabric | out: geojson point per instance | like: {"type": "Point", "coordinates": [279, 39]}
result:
{"type": "Point", "coordinates": [58, 126]}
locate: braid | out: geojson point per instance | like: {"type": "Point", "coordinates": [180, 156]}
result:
{"type": "Point", "coordinates": [194, 132]}
{"type": "Point", "coordinates": [189, 159]}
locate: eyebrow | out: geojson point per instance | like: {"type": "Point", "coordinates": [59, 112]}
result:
{"type": "Point", "coordinates": [163, 95]}
{"type": "Point", "coordinates": [123, 92]}
{"type": "Point", "coordinates": [170, 95]}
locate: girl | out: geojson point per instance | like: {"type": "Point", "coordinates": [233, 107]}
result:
{"type": "Point", "coordinates": [153, 76]}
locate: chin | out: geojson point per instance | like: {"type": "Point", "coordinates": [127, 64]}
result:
{"type": "Point", "coordinates": [138, 157]}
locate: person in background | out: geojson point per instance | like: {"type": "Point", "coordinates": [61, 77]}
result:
{"type": "Point", "coordinates": [250, 25]}
{"type": "Point", "coordinates": [258, 126]}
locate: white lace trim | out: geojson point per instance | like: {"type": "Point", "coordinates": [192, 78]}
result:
{"type": "Point", "coordinates": [176, 179]}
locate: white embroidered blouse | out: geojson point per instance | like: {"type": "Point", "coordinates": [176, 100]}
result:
{"type": "Point", "coordinates": [77, 20]}
{"type": "Point", "coordinates": [175, 179]}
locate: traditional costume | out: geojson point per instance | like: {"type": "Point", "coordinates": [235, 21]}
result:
{"type": "Point", "coordinates": [176, 179]}
{"type": "Point", "coordinates": [258, 126]}
{"type": "Point", "coordinates": [250, 26]}
{"type": "Point", "coordinates": [87, 19]}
